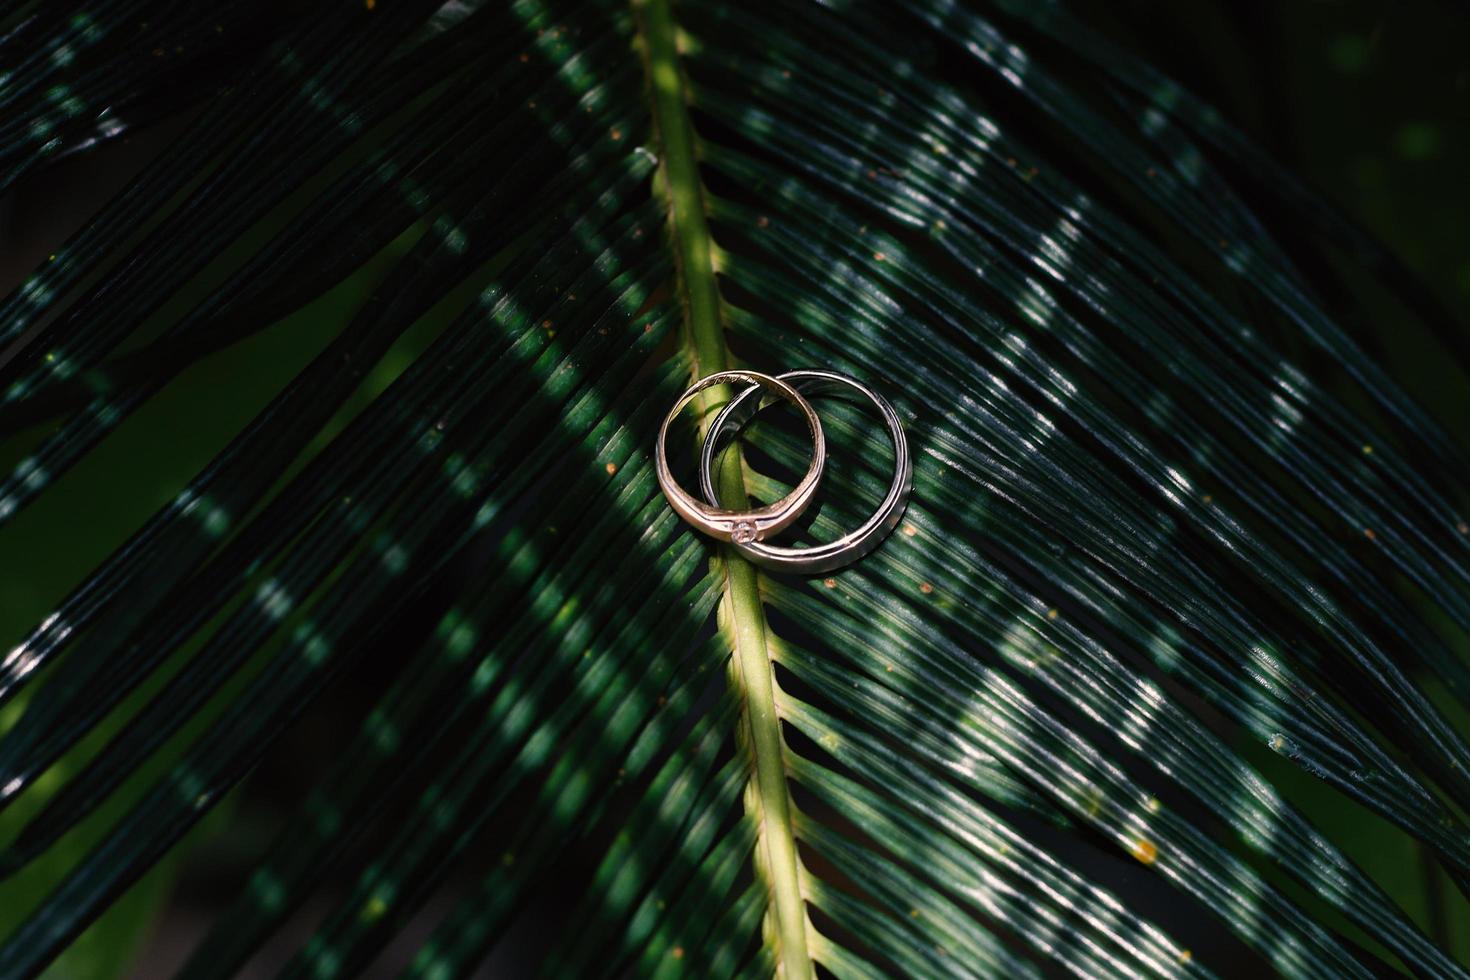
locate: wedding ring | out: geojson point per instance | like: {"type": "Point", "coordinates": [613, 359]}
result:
{"type": "Point", "coordinates": [851, 546]}
{"type": "Point", "coordinates": [749, 526]}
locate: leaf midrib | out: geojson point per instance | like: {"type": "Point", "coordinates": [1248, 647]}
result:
{"type": "Point", "coordinates": [742, 615]}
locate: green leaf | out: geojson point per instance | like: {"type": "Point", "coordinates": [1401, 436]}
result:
{"type": "Point", "coordinates": [1185, 566]}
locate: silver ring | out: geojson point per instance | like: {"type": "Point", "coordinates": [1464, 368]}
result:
{"type": "Point", "coordinates": [851, 546]}
{"type": "Point", "coordinates": [749, 526]}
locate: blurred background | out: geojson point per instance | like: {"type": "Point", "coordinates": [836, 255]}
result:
{"type": "Point", "coordinates": [1367, 100]}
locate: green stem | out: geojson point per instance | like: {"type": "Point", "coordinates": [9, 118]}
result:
{"type": "Point", "coordinates": [742, 616]}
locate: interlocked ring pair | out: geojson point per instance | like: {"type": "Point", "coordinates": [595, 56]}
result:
{"type": "Point", "coordinates": [747, 530]}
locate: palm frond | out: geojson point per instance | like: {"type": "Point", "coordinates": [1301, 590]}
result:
{"type": "Point", "coordinates": [1168, 508]}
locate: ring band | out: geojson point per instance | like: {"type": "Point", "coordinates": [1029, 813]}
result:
{"type": "Point", "coordinates": [852, 546]}
{"type": "Point", "coordinates": [749, 526]}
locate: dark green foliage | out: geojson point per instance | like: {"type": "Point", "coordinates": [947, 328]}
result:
{"type": "Point", "coordinates": [1147, 538]}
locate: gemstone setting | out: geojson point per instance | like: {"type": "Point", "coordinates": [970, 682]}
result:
{"type": "Point", "coordinates": [742, 532]}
